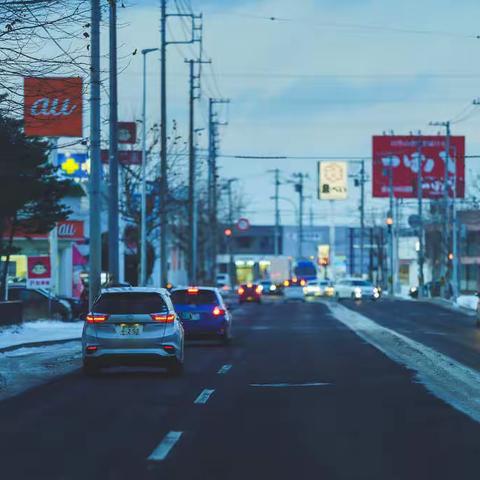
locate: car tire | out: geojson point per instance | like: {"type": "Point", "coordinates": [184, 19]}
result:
{"type": "Point", "coordinates": [175, 369]}
{"type": "Point", "coordinates": [90, 369]}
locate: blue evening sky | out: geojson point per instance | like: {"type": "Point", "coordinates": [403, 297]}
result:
{"type": "Point", "coordinates": [320, 80]}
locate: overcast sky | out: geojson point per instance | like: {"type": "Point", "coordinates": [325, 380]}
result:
{"type": "Point", "coordinates": [320, 79]}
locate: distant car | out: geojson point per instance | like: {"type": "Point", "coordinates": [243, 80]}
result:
{"type": "Point", "coordinates": [293, 289]}
{"type": "Point", "coordinates": [133, 326]}
{"type": "Point", "coordinates": [249, 292]}
{"type": "Point", "coordinates": [319, 288]}
{"type": "Point", "coordinates": [203, 312]}
{"type": "Point", "coordinates": [40, 304]}
{"type": "Point", "coordinates": [268, 287]}
{"type": "Point", "coordinates": [356, 289]}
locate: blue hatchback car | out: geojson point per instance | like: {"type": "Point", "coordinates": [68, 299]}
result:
{"type": "Point", "coordinates": [202, 312]}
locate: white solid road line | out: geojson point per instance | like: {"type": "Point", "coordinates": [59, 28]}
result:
{"type": "Point", "coordinates": [204, 396]}
{"type": "Point", "coordinates": [285, 385]}
{"type": "Point", "coordinates": [224, 369]}
{"type": "Point", "coordinates": [163, 449]}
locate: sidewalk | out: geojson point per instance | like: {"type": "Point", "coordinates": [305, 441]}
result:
{"type": "Point", "coordinates": [42, 332]}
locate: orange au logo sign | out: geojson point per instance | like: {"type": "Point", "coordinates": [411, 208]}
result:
{"type": "Point", "coordinates": [53, 107]}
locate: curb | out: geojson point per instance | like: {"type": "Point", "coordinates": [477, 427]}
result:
{"type": "Point", "coordinates": [45, 343]}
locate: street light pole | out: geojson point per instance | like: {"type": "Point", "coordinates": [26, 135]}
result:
{"type": "Point", "coordinates": [143, 233]}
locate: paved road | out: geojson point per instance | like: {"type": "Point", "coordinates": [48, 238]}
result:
{"type": "Point", "coordinates": [447, 331]}
{"type": "Point", "coordinates": [359, 416]}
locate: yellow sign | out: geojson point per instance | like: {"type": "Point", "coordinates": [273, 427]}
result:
{"type": "Point", "coordinates": [333, 180]}
{"type": "Point", "coordinates": [70, 166]}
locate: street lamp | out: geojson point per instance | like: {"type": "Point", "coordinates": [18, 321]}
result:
{"type": "Point", "coordinates": [143, 233]}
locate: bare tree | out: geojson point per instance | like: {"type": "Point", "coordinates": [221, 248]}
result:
{"type": "Point", "coordinates": [40, 38]}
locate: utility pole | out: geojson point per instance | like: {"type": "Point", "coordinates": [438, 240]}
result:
{"type": "Point", "coordinates": [276, 197]}
{"type": "Point", "coordinates": [230, 221]}
{"type": "Point", "coordinates": [113, 210]}
{"type": "Point", "coordinates": [95, 262]}
{"type": "Point", "coordinates": [192, 198]}
{"type": "Point", "coordinates": [213, 125]}
{"type": "Point", "coordinates": [163, 145]}
{"type": "Point", "coordinates": [362, 214]}
{"type": "Point", "coordinates": [163, 130]}
{"type": "Point", "coordinates": [143, 234]}
{"type": "Point", "coordinates": [446, 208]}
{"type": "Point", "coordinates": [421, 278]}
{"type": "Point", "coordinates": [299, 190]}
{"type": "Point", "coordinates": [390, 228]}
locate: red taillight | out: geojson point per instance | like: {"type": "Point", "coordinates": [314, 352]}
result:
{"type": "Point", "coordinates": [218, 311]}
{"type": "Point", "coordinates": [163, 317]}
{"type": "Point", "coordinates": [169, 348]}
{"type": "Point", "coordinates": [95, 318]}
{"type": "Point", "coordinates": [241, 291]}
{"type": "Point", "coordinates": [91, 348]}
{"type": "Point", "coordinates": [192, 291]}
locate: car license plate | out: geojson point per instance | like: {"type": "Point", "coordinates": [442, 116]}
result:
{"type": "Point", "coordinates": [129, 330]}
{"type": "Point", "coordinates": [190, 316]}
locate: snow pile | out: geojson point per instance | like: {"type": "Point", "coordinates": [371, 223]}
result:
{"type": "Point", "coordinates": [446, 378]}
{"type": "Point", "coordinates": [25, 368]}
{"type": "Point", "coordinates": [467, 301]}
{"type": "Point", "coordinates": [40, 331]}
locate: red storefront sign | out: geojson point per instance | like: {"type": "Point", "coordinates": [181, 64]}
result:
{"type": "Point", "coordinates": [125, 157]}
{"type": "Point", "coordinates": [70, 230]}
{"type": "Point", "coordinates": [403, 154]}
{"type": "Point", "coordinates": [127, 133]}
{"type": "Point", "coordinates": [53, 107]}
{"type": "Point", "coordinates": [39, 272]}
{"type": "Point", "coordinates": [66, 230]}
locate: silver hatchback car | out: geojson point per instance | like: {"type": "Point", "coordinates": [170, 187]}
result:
{"type": "Point", "coordinates": [133, 326]}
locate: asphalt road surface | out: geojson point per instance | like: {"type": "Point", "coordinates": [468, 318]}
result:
{"type": "Point", "coordinates": [450, 332]}
{"type": "Point", "coordinates": [297, 395]}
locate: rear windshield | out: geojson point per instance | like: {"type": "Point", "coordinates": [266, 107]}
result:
{"type": "Point", "coordinates": [119, 303]}
{"type": "Point", "coordinates": [361, 283]}
{"type": "Point", "coordinates": [202, 297]}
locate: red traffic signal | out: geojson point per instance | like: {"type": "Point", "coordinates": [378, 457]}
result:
{"type": "Point", "coordinates": [228, 232]}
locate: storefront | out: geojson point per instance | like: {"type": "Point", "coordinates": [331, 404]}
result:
{"type": "Point", "coordinates": [67, 257]}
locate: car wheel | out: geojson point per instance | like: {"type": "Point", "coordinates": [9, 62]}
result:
{"type": "Point", "coordinates": [175, 369]}
{"type": "Point", "coordinates": [90, 368]}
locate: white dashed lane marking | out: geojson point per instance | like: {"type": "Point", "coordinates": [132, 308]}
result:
{"type": "Point", "coordinates": [163, 449]}
{"type": "Point", "coordinates": [224, 369]}
{"type": "Point", "coordinates": [204, 396]}
{"type": "Point", "coordinates": [287, 385]}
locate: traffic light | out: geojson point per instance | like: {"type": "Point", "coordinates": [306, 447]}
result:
{"type": "Point", "coordinates": [228, 232]}
{"type": "Point", "coordinates": [389, 222]}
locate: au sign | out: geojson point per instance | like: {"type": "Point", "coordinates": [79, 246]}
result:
{"type": "Point", "coordinates": [53, 107]}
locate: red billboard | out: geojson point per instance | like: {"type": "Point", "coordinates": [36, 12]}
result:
{"type": "Point", "coordinates": [127, 133]}
{"type": "Point", "coordinates": [125, 157]}
{"type": "Point", "coordinates": [39, 272]}
{"type": "Point", "coordinates": [405, 154]}
{"type": "Point", "coordinates": [53, 107]}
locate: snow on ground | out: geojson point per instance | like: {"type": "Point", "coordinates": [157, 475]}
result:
{"type": "Point", "coordinates": [467, 301]}
{"type": "Point", "coordinates": [25, 368]}
{"type": "Point", "coordinates": [446, 378]}
{"type": "Point", "coordinates": [39, 331]}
